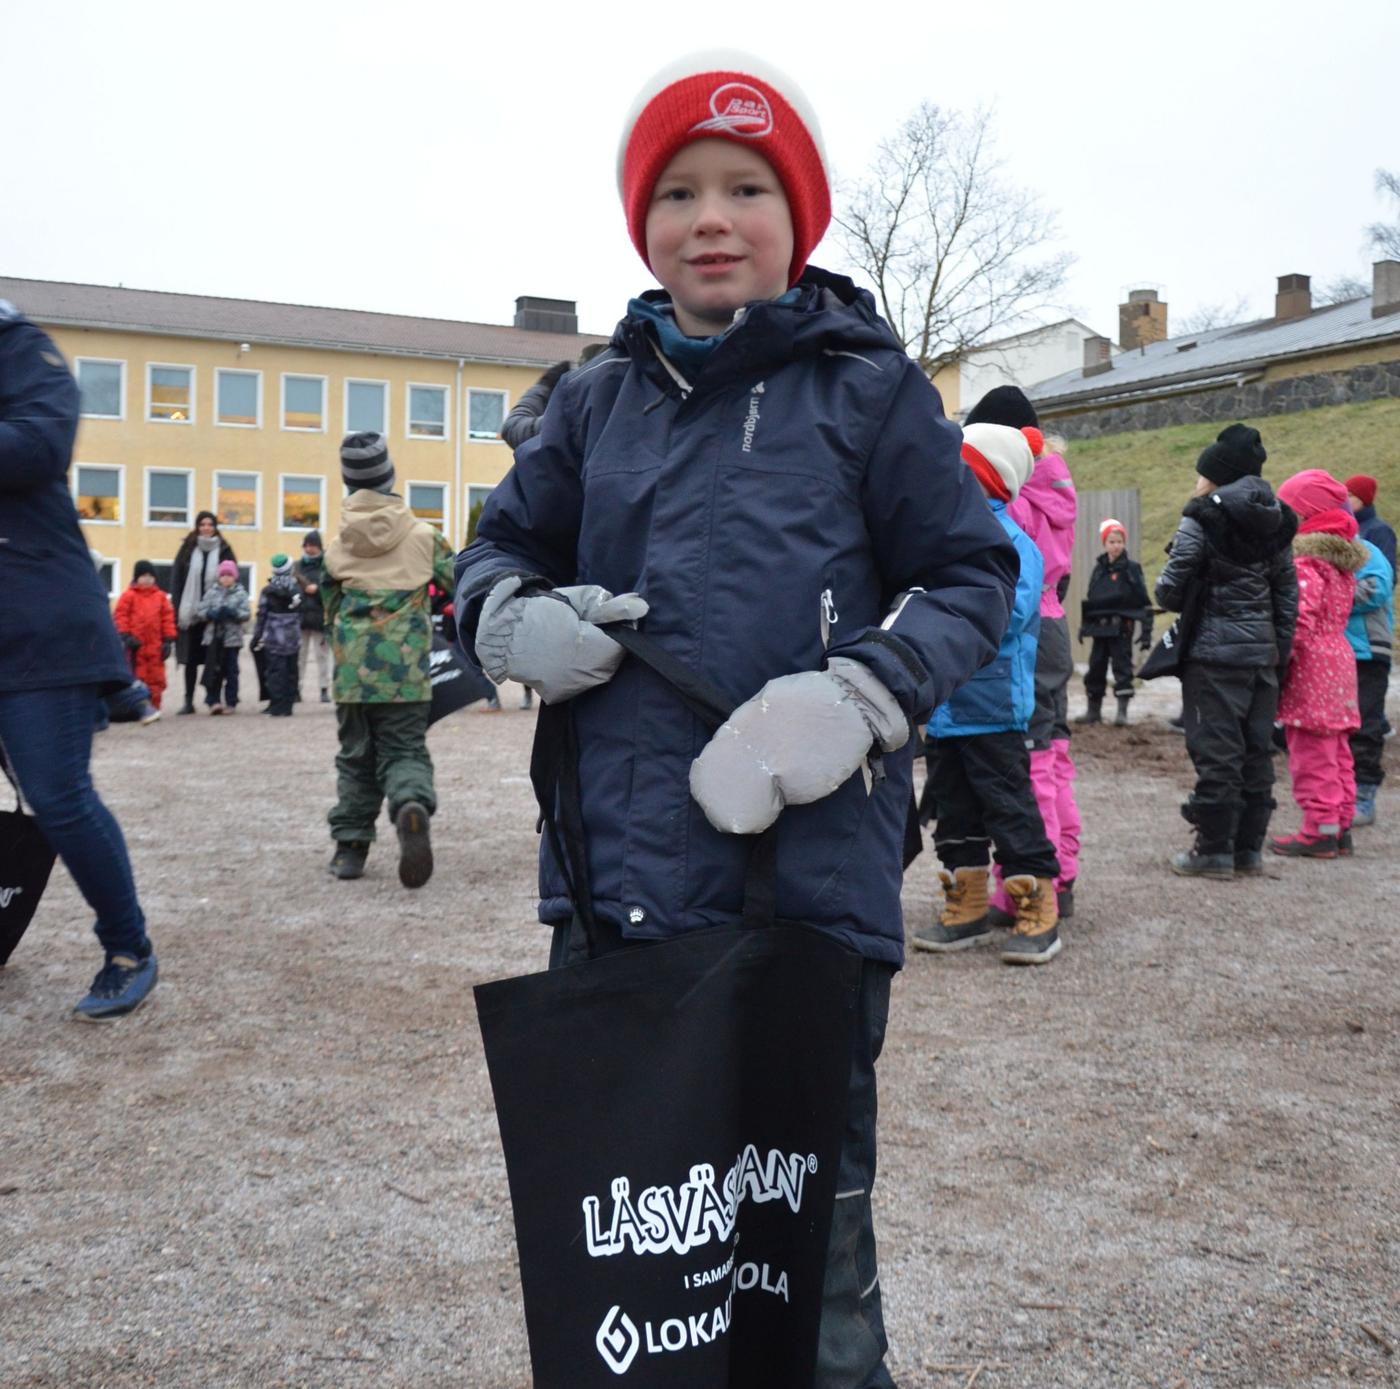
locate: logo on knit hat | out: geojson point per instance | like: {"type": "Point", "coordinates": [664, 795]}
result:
{"type": "Point", "coordinates": [738, 109]}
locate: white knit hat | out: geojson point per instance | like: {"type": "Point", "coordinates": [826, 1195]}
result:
{"type": "Point", "coordinates": [1000, 456]}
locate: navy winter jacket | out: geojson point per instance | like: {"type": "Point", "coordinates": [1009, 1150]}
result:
{"type": "Point", "coordinates": [1372, 528]}
{"type": "Point", "coordinates": [55, 626]}
{"type": "Point", "coordinates": [804, 484]}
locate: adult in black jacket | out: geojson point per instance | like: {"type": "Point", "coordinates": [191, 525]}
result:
{"type": "Point", "coordinates": [196, 569]}
{"type": "Point", "coordinates": [1231, 565]}
{"type": "Point", "coordinates": [1116, 602]}
{"type": "Point", "coordinates": [52, 673]}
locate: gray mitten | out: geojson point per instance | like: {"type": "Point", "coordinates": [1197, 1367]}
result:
{"type": "Point", "coordinates": [552, 641]}
{"type": "Point", "coordinates": [797, 740]}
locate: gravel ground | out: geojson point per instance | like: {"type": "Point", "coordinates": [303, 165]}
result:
{"type": "Point", "coordinates": [1172, 1158]}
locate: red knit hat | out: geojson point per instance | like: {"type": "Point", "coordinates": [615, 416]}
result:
{"type": "Point", "coordinates": [1363, 488]}
{"type": "Point", "coordinates": [1112, 525]}
{"type": "Point", "coordinates": [727, 96]}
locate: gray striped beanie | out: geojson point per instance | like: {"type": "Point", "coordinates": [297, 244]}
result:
{"type": "Point", "coordinates": [365, 462]}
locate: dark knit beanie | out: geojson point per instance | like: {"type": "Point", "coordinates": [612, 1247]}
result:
{"type": "Point", "coordinates": [312, 538]}
{"type": "Point", "coordinates": [1004, 405]}
{"type": "Point", "coordinates": [141, 568]}
{"type": "Point", "coordinates": [1237, 452]}
{"type": "Point", "coordinates": [365, 462]}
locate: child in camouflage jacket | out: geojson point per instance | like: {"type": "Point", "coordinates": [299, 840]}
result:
{"type": "Point", "coordinates": [378, 618]}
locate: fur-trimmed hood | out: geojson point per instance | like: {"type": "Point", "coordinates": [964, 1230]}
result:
{"type": "Point", "coordinates": [1346, 555]}
{"type": "Point", "coordinates": [1244, 520]}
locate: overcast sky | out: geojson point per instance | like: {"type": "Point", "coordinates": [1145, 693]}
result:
{"type": "Point", "coordinates": [441, 158]}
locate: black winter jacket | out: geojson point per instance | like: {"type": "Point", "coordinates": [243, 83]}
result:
{"type": "Point", "coordinates": [524, 421]}
{"type": "Point", "coordinates": [1236, 541]}
{"type": "Point", "coordinates": [1116, 599]}
{"type": "Point", "coordinates": [313, 612]}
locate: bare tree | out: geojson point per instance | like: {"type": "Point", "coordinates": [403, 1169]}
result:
{"type": "Point", "coordinates": [1342, 290]}
{"type": "Point", "coordinates": [949, 244]}
{"type": "Point", "coordinates": [1385, 236]}
{"type": "Point", "coordinates": [1223, 315]}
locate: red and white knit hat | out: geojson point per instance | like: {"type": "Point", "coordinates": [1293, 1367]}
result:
{"type": "Point", "coordinates": [1111, 525]}
{"type": "Point", "coordinates": [1000, 456]}
{"type": "Point", "coordinates": [727, 96]}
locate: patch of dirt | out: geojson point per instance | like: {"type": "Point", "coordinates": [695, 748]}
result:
{"type": "Point", "coordinates": [1170, 1158]}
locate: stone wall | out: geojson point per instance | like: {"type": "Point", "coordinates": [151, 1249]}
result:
{"type": "Point", "coordinates": [1375, 381]}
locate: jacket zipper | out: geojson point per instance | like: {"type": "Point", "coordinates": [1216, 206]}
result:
{"type": "Point", "coordinates": [830, 617]}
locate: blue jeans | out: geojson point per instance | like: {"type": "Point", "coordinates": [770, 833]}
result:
{"type": "Point", "coordinates": [47, 738]}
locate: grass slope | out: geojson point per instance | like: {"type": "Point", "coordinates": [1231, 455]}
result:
{"type": "Point", "coordinates": [1161, 463]}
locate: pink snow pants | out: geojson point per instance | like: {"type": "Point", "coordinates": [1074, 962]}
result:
{"type": "Point", "coordinates": [1324, 780]}
{"type": "Point", "coordinates": [1052, 780]}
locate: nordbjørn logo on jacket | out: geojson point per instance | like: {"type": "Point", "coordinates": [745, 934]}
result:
{"type": "Point", "coordinates": [738, 109]}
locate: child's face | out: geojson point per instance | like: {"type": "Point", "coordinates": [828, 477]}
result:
{"type": "Point", "coordinates": [146, 581]}
{"type": "Point", "coordinates": [719, 233]}
{"type": "Point", "coordinates": [226, 580]}
{"type": "Point", "coordinates": [1114, 544]}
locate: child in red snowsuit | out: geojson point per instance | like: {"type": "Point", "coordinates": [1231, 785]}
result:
{"type": "Point", "coordinates": [146, 622]}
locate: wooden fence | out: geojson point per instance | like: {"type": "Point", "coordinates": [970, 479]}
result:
{"type": "Point", "coordinates": [1125, 505]}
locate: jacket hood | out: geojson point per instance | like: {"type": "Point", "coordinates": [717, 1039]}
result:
{"type": "Point", "coordinates": [828, 313]}
{"type": "Point", "coordinates": [1343, 554]}
{"type": "Point", "coordinates": [1250, 505]}
{"type": "Point", "coordinates": [1244, 519]}
{"type": "Point", "coordinates": [372, 523]}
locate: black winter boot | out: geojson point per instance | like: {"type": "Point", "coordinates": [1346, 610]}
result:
{"type": "Point", "coordinates": [1213, 854]}
{"type": "Point", "coordinates": [1094, 713]}
{"type": "Point", "coordinates": [349, 859]}
{"type": "Point", "coordinates": [1122, 719]}
{"type": "Point", "coordinates": [1249, 838]}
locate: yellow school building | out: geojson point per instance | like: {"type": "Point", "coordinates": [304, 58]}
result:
{"type": "Point", "coordinates": [193, 403]}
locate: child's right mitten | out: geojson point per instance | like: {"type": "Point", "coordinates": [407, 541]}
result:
{"type": "Point", "coordinates": [552, 640]}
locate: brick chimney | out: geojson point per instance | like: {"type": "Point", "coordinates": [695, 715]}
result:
{"type": "Point", "coordinates": [1385, 288]}
{"type": "Point", "coordinates": [1098, 356]}
{"type": "Point", "coordinates": [1294, 298]}
{"type": "Point", "coordinates": [1142, 320]}
{"type": "Point", "coordinates": [546, 315]}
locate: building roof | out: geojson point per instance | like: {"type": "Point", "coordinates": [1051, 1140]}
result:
{"type": "Point", "coordinates": [1218, 356]}
{"type": "Point", "coordinates": [58, 304]}
{"type": "Point", "coordinates": [1029, 333]}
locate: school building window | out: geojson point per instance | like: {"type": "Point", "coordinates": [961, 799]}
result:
{"type": "Point", "coordinates": [109, 576]}
{"type": "Point", "coordinates": [236, 500]}
{"type": "Point", "coordinates": [299, 502]}
{"type": "Point", "coordinates": [486, 413]}
{"type": "Point", "coordinates": [367, 407]}
{"type": "Point", "coordinates": [304, 403]}
{"type": "Point", "coordinates": [97, 492]}
{"type": "Point", "coordinates": [169, 394]}
{"type": "Point", "coordinates": [476, 499]}
{"type": "Point", "coordinates": [168, 496]}
{"type": "Point", "coordinates": [427, 412]}
{"type": "Point", "coordinates": [428, 502]}
{"type": "Point", "coordinates": [238, 399]}
{"type": "Point", "coordinates": [101, 388]}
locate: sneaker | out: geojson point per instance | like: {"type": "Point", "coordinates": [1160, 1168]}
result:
{"type": "Point", "coordinates": [121, 987]}
{"type": "Point", "coordinates": [1365, 807]}
{"type": "Point", "coordinates": [1305, 845]}
{"type": "Point", "coordinates": [216, 708]}
{"type": "Point", "coordinates": [349, 859]}
{"type": "Point", "coordinates": [149, 714]}
{"type": "Point", "coordinates": [415, 846]}
{"type": "Point", "coordinates": [1191, 863]}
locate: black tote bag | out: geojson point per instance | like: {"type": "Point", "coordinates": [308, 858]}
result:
{"type": "Point", "coordinates": [671, 1117]}
{"type": "Point", "coordinates": [25, 864]}
{"type": "Point", "coordinates": [1166, 657]}
{"type": "Point", "coordinates": [455, 684]}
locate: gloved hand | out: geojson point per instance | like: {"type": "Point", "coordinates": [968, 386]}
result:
{"type": "Point", "coordinates": [552, 641]}
{"type": "Point", "coordinates": [166, 647]}
{"type": "Point", "coordinates": [1145, 640]}
{"type": "Point", "coordinates": [132, 643]}
{"type": "Point", "coordinates": [797, 740]}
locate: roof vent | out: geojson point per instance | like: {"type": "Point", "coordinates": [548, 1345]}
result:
{"type": "Point", "coordinates": [1097, 356]}
{"type": "Point", "coordinates": [1385, 290]}
{"type": "Point", "coordinates": [546, 315]}
{"type": "Point", "coordinates": [1294, 298]}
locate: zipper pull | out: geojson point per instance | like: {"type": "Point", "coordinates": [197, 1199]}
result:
{"type": "Point", "coordinates": [830, 617]}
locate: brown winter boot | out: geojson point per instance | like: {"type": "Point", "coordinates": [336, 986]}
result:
{"type": "Point", "coordinates": [1036, 936]}
{"type": "Point", "coordinates": [963, 920]}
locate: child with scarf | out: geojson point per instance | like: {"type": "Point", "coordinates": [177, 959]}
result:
{"type": "Point", "coordinates": [277, 636]}
{"type": "Point", "coordinates": [1318, 707]}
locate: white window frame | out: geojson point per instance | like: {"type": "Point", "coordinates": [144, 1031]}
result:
{"type": "Point", "coordinates": [444, 487]}
{"type": "Point", "coordinates": [409, 389]}
{"type": "Point", "coordinates": [116, 589]}
{"type": "Point", "coordinates": [190, 507]}
{"type": "Point", "coordinates": [367, 381]}
{"type": "Point", "coordinates": [281, 502]}
{"type": "Point", "coordinates": [325, 403]}
{"type": "Point", "coordinates": [257, 497]}
{"type": "Point", "coordinates": [237, 371]}
{"type": "Point", "coordinates": [121, 397]}
{"type": "Point", "coordinates": [467, 421]}
{"type": "Point", "coordinates": [120, 470]}
{"type": "Point", "coordinates": [194, 385]}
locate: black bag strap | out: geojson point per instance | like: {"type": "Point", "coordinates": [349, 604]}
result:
{"type": "Point", "coordinates": [554, 774]}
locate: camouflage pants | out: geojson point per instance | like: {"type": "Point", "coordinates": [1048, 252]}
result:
{"type": "Point", "coordinates": [383, 755]}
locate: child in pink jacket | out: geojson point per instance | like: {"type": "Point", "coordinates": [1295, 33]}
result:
{"type": "Point", "coordinates": [1318, 706]}
{"type": "Point", "coordinates": [1045, 509]}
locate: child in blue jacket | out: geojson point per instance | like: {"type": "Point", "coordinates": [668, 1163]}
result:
{"type": "Point", "coordinates": [1370, 631]}
{"type": "Point", "coordinates": [757, 469]}
{"type": "Point", "coordinates": [978, 758]}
